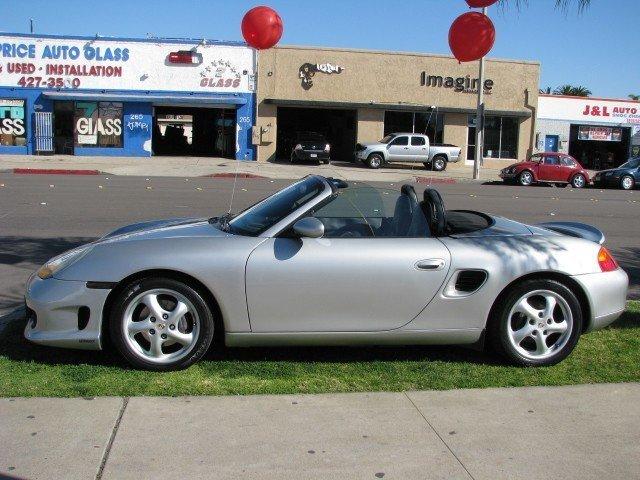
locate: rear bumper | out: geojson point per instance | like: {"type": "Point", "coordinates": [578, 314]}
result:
{"type": "Point", "coordinates": [53, 307]}
{"type": "Point", "coordinates": [306, 155]}
{"type": "Point", "coordinates": [607, 295]}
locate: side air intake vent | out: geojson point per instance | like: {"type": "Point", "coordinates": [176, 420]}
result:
{"type": "Point", "coordinates": [83, 317]}
{"type": "Point", "coordinates": [469, 281]}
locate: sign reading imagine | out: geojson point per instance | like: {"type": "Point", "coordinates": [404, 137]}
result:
{"type": "Point", "coordinates": [459, 84]}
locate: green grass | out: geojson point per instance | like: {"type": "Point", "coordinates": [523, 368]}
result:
{"type": "Point", "coordinates": [611, 355]}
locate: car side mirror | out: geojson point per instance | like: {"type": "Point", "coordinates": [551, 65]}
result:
{"type": "Point", "coordinates": [309, 227]}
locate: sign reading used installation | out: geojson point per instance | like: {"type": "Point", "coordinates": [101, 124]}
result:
{"type": "Point", "coordinates": [600, 134]}
{"type": "Point", "coordinates": [57, 63]}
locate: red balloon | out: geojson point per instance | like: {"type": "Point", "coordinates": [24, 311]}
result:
{"type": "Point", "coordinates": [262, 27]}
{"type": "Point", "coordinates": [471, 36]}
{"type": "Point", "coordinates": [481, 3]}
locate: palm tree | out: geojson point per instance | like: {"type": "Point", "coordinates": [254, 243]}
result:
{"type": "Point", "coordinates": [634, 97]}
{"type": "Point", "coordinates": [571, 90]}
{"type": "Point", "coordinates": [560, 4]}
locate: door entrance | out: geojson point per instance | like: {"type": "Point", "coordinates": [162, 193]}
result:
{"type": "Point", "coordinates": [63, 127]}
{"type": "Point", "coordinates": [551, 143]}
{"type": "Point", "coordinates": [200, 132]}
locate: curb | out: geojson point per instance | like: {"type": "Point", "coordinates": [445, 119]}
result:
{"type": "Point", "coordinates": [234, 175]}
{"type": "Point", "coordinates": [53, 171]}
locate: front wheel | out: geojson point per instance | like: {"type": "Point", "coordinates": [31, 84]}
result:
{"type": "Point", "coordinates": [375, 161]}
{"type": "Point", "coordinates": [537, 324]}
{"type": "Point", "coordinates": [525, 178]}
{"type": "Point", "coordinates": [627, 182]}
{"type": "Point", "coordinates": [578, 181]}
{"type": "Point", "coordinates": [161, 324]}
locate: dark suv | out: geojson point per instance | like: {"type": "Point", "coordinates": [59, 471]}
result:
{"type": "Point", "coordinates": [310, 146]}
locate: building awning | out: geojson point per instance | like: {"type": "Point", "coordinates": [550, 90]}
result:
{"type": "Point", "coordinates": [198, 100]}
{"type": "Point", "coordinates": [392, 106]}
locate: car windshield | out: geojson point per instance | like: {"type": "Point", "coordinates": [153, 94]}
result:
{"type": "Point", "coordinates": [266, 213]}
{"type": "Point", "coordinates": [388, 138]}
{"type": "Point", "coordinates": [632, 163]}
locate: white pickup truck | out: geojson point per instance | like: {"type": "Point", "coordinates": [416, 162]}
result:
{"type": "Point", "coordinates": [407, 147]}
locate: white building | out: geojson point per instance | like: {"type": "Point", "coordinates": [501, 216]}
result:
{"type": "Point", "coordinates": [600, 133]}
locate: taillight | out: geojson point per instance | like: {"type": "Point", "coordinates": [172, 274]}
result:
{"type": "Point", "coordinates": [327, 148]}
{"type": "Point", "coordinates": [606, 261]}
{"type": "Point", "coordinates": [298, 147]}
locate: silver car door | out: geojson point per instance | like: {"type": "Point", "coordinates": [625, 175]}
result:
{"type": "Point", "coordinates": [418, 149]}
{"type": "Point", "coordinates": [398, 149]}
{"type": "Point", "coordinates": [342, 284]}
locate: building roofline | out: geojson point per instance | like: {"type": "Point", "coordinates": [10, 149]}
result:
{"type": "Point", "coordinates": [194, 41]}
{"type": "Point", "coordinates": [387, 52]}
{"type": "Point", "coordinates": [598, 99]}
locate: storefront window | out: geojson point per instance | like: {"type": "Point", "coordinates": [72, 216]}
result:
{"type": "Point", "coordinates": [12, 124]}
{"type": "Point", "coordinates": [98, 124]}
{"type": "Point", "coordinates": [500, 137]}
{"type": "Point", "coordinates": [426, 123]}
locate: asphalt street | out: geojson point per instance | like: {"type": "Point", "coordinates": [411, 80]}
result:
{"type": "Point", "coordinates": [43, 215]}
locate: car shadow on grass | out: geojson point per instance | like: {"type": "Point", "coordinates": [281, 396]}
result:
{"type": "Point", "coordinates": [14, 347]}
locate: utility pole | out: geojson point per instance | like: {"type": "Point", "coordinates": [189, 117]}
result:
{"type": "Point", "coordinates": [480, 118]}
{"type": "Point", "coordinates": [31, 25]}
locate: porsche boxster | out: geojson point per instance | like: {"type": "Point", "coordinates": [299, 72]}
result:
{"type": "Point", "coordinates": [326, 262]}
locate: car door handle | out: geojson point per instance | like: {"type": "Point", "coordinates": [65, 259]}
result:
{"type": "Point", "coordinates": [432, 264]}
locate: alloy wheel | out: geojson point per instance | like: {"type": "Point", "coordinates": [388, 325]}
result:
{"type": "Point", "coordinates": [161, 326]}
{"type": "Point", "coordinates": [627, 183]}
{"type": "Point", "coordinates": [526, 179]}
{"type": "Point", "coordinates": [578, 181]}
{"type": "Point", "coordinates": [540, 324]}
{"type": "Point", "coordinates": [439, 164]}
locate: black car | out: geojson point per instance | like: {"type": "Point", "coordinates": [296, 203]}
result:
{"type": "Point", "coordinates": [626, 176]}
{"type": "Point", "coordinates": [311, 146]}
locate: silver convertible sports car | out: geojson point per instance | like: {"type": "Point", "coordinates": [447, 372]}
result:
{"type": "Point", "coordinates": [323, 262]}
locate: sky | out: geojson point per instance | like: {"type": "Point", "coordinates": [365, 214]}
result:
{"type": "Point", "coordinates": [597, 49]}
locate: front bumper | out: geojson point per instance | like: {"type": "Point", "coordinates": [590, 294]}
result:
{"type": "Point", "coordinates": [607, 295]}
{"type": "Point", "coordinates": [604, 181]}
{"type": "Point", "coordinates": [53, 307]}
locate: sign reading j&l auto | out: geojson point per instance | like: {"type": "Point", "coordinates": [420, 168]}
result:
{"type": "Point", "coordinates": [616, 112]}
{"type": "Point", "coordinates": [60, 63]}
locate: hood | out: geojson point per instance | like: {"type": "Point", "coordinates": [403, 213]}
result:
{"type": "Point", "coordinates": [176, 227]}
{"type": "Point", "coordinates": [611, 170]}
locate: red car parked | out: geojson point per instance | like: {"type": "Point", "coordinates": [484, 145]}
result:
{"type": "Point", "coordinates": [549, 167]}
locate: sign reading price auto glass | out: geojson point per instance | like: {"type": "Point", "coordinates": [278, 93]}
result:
{"type": "Point", "coordinates": [58, 63]}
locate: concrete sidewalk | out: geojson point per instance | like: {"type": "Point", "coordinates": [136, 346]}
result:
{"type": "Point", "coordinates": [586, 432]}
{"type": "Point", "coordinates": [200, 166]}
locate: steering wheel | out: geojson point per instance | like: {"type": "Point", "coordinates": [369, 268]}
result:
{"type": "Point", "coordinates": [435, 212]}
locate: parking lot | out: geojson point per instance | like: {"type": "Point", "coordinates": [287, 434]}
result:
{"type": "Point", "coordinates": [43, 215]}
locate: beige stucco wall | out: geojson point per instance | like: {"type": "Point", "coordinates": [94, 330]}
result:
{"type": "Point", "coordinates": [373, 82]}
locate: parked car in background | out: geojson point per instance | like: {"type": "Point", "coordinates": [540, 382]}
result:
{"type": "Point", "coordinates": [407, 147]}
{"type": "Point", "coordinates": [311, 146]}
{"type": "Point", "coordinates": [626, 176]}
{"type": "Point", "coordinates": [549, 167]}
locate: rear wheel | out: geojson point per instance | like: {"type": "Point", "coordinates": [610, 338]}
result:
{"type": "Point", "coordinates": [627, 182]}
{"type": "Point", "coordinates": [375, 161]}
{"type": "Point", "coordinates": [578, 181]}
{"type": "Point", "coordinates": [525, 178]}
{"type": "Point", "coordinates": [161, 324]}
{"type": "Point", "coordinates": [326, 162]}
{"type": "Point", "coordinates": [439, 164]}
{"type": "Point", "coordinates": [538, 323]}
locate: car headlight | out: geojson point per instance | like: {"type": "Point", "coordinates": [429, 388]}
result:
{"type": "Point", "coordinates": [61, 261]}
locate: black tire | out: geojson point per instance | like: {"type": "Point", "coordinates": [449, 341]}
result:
{"type": "Point", "coordinates": [579, 181]}
{"type": "Point", "coordinates": [438, 164]}
{"type": "Point", "coordinates": [499, 325]}
{"type": "Point", "coordinates": [375, 161]}
{"type": "Point", "coordinates": [525, 178]}
{"type": "Point", "coordinates": [326, 162]}
{"type": "Point", "coordinates": [206, 326]}
{"type": "Point", "coordinates": [627, 182]}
